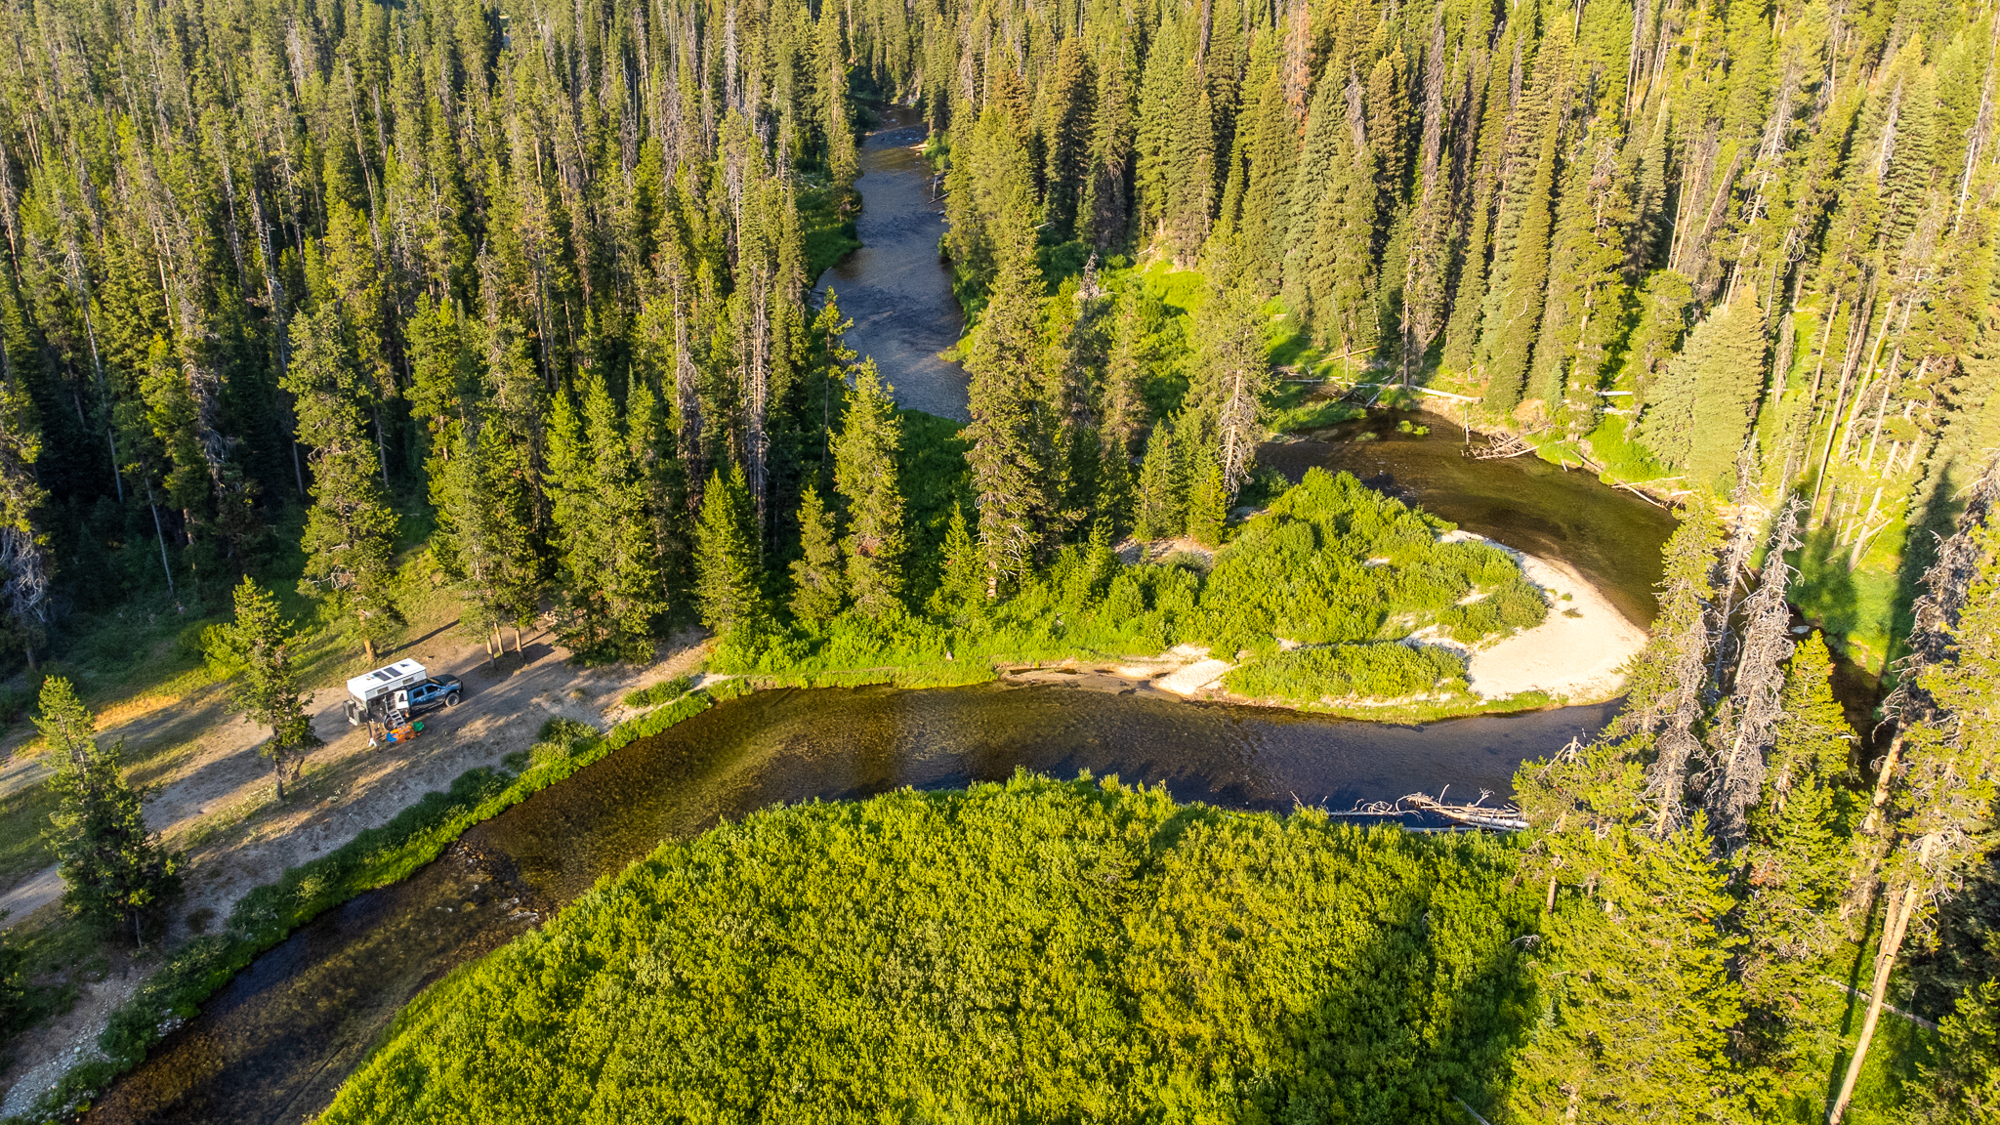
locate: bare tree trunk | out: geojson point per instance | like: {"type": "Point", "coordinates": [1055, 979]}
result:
{"type": "Point", "coordinates": [1902, 903]}
{"type": "Point", "coordinates": [161, 531]}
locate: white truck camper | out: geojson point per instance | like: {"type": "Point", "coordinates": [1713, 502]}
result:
{"type": "Point", "coordinates": [383, 695]}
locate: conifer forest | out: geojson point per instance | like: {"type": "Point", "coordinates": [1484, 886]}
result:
{"type": "Point", "coordinates": [313, 309]}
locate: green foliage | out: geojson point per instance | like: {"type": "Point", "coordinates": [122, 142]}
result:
{"type": "Point", "coordinates": [864, 471]}
{"type": "Point", "coordinates": [1208, 504]}
{"type": "Point", "coordinates": [351, 527]}
{"type": "Point", "coordinates": [1698, 415]}
{"type": "Point", "coordinates": [1799, 841]}
{"type": "Point", "coordinates": [1964, 1084]}
{"type": "Point", "coordinates": [1381, 671]}
{"type": "Point", "coordinates": [16, 1004]}
{"type": "Point", "coordinates": [658, 693]}
{"type": "Point", "coordinates": [727, 559]}
{"type": "Point", "coordinates": [818, 585]}
{"type": "Point", "coordinates": [115, 875]}
{"type": "Point", "coordinates": [1119, 957]}
{"type": "Point", "coordinates": [258, 648]}
{"type": "Point", "coordinates": [1332, 563]}
{"type": "Point", "coordinates": [1162, 507]}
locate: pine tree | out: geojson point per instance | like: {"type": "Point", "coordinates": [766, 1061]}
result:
{"type": "Point", "coordinates": [1273, 150]}
{"type": "Point", "coordinates": [258, 648]}
{"type": "Point", "coordinates": [115, 874]}
{"type": "Point", "coordinates": [1667, 687]}
{"type": "Point", "coordinates": [1936, 787]}
{"type": "Point", "coordinates": [864, 469]}
{"type": "Point", "coordinates": [24, 548]}
{"type": "Point", "coordinates": [1208, 503]}
{"type": "Point", "coordinates": [1162, 488]}
{"type": "Point", "coordinates": [818, 585]}
{"type": "Point", "coordinates": [486, 519]}
{"type": "Point", "coordinates": [1231, 378]}
{"type": "Point", "coordinates": [633, 593]}
{"type": "Point", "coordinates": [350, 529]}
{"type": "Point", "coordinates": [830, 66]}
{"type": "Point", "coordinates": [1699, 415]}
{"type": "Point", "coordinates": [1638, 1000]}
{"type": "Point", "coordinates": [963, 589]}
{"type": "Point", "coordinates": [1009, 458]}
{"type": "Point", "coordinates": [582, 528]}
{"type": "Point", "coordinates": [1797, 865]}
{"type": "Point", "coordinates": [728, 567]}
{"type": "Point", "coordinates": [1067, 131]}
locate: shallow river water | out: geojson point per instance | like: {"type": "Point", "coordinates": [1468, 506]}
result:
{"type": "Point", "coordinates": [895, 289]}
{"type": "Point", "coordinates": [277, 1042]}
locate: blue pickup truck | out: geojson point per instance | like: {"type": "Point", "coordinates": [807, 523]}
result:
{"type": "Point", "coordinates": [436, 692]}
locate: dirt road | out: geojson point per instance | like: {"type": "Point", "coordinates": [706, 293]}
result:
{"type": "Point", "coordinates": [214, 797]}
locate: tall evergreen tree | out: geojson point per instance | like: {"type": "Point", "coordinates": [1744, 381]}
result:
{"type": "Point", "coordinates": [1700, 414]}
{"type": "Point", "coordinates": [1009, 455]}
{"type": "Point", "coordinates": [728, 563]}
{"type": "Point", "coordinates": [350, 528]}
{"type": "Point", "coordinates": [818, 582]}
{"type": "Point", "coordinates": [258, 648]}
{"type": "Point", "coordinates": [1797, 863]}
{"type": "Point", "coordinates": [115, 874]}
{"type": "Point", "coordinates": [24, 553]}
{"type": "Point", "coordinates": [1163, 493]}
{"type": "Point", "coordinates": [864, 470]}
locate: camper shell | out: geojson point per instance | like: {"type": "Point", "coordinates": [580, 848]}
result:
{"type": "Point", "coordinates": [373, 685]}
{"type": "Point", "coordinates": [382, 696]}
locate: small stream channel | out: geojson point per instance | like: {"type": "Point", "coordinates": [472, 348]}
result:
{"type": "Point", "coordinates": [277, 1042]}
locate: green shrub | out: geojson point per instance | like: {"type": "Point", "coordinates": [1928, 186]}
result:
{"type": "Point", "coordinates": [1034, 951]}
{"type": "Point", "coordinates": [561, 739]}
{"type": "Point", "coordinates": [659, 693]}
{"type": "Point", "coordinates": [1383, 670]}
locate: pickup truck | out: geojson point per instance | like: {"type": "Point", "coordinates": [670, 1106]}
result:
{"type": "Point", "coordinates": [436, 692]}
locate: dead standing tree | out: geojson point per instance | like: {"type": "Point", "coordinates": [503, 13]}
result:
{"type": "Point", "coordinates": [1934, 795]}
{"type": "Point", "coordinates": [1745, 729]}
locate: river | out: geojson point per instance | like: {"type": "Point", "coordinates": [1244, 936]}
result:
{"type": "Point", "coordinates": [275, 1043]}
{"type": "Point", "coordinates": [895, 289]}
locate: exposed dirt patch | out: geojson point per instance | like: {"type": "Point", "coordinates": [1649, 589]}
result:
{"type": "Point", "coordinates": [215, 798]}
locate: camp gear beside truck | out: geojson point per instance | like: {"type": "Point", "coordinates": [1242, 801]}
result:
{"type": "Point", "coordinates": [391, 696]}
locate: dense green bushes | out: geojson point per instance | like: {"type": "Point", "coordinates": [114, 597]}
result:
{"type": "Point", "coordinates": [1330, 563]}
{"type": "Point", "coordinates": [1383, 671]}
{"type": "Point", "coordinates": [659, 693]}
{"type": "Point", "coordinates": [1037, 951]}
{"type": "Point", "coordinates": [376, 857]}
{"type": "Point", "coordinates": [1333, 561]}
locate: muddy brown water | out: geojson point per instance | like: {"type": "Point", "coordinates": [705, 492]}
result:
{"type": "Point", "coordinates": [276, 1043]}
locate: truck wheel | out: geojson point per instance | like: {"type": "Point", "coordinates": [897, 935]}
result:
{"type": "Point", "coordinates": [451, 700]}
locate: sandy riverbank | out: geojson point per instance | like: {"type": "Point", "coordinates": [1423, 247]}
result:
{"type": "Point", "coordinates": [1577, 655]}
